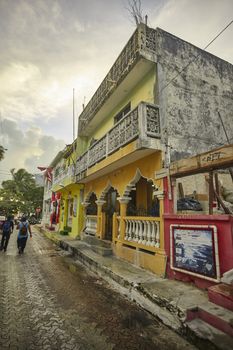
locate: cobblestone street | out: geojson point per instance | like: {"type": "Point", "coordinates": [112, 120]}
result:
{"type": "Point", "coordinates": [44, 305]}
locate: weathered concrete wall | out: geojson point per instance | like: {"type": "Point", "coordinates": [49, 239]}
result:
{"type": "Point", "coordinates": [190, 103]}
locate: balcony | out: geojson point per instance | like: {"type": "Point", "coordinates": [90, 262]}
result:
{"type": "Point", "coordinates": [65, 177]}
{"type": "Point", "coordinates": [141, 125]}
{"type": "Point", "coordinates": [135, 60]}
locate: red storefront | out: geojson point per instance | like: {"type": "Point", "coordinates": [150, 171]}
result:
{"type": "Point", "coordinates": [199, 247]}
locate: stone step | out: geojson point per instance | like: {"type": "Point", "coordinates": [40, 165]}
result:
{"type": "Point", "coordinates": [216, 316]}
{"type": "Point", "coordinates": [103, 248]}
{"type": "Point", "coordinates": [228, 277]}
{"type": "Point", "coordinates": [205, 331]}
{"type": "Point", "coordinates": [222, 294]}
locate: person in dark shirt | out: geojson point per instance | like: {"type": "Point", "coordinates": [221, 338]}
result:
{"type": "Point", "coordinates": [24, 231]}
{"type": "Point", "coordinates": [7, 229]}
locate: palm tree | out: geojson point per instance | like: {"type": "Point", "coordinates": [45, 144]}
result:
{"type": "Point", "coordinates": [21, 192]}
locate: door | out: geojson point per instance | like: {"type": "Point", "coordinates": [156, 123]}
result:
{"type": "Point", "coordinates": [110, 207]}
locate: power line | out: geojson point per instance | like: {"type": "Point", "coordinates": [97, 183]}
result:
{"type": "Point", "coordinates": [188, 64]}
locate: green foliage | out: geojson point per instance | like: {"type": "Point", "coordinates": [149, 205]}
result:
{"type": "Point", "coordinates": [64, 232]}
{"type": "Point", "coordinates": [21, 194]}
{"type": "Point", "coordinates": [67, 228]}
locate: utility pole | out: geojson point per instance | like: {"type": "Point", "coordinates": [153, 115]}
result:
{"type": "Point", "coordinates": [73, 117]}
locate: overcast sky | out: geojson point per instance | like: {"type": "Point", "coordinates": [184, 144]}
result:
{"type": "Point", "coordinates": [49, 47]}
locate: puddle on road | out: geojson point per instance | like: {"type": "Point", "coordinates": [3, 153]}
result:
{"type": "Point", "coordinates": [137, 319]}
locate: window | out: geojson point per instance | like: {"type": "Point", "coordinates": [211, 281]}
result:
{"type": "Point", "coordinates": [122, 113]}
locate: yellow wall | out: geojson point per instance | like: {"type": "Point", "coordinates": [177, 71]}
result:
{"type": "Point", "coordinates": [119, 180]}
{"type": "Point", "coordinates": [123, 176]}
{"type": "Point", "coordinates": [77, 221]}
{"type": "Point", "coordinates": [144, 91]}
{"type": "Point", "coordinates": [81, 145]}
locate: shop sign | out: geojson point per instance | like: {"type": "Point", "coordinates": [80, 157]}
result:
{"type": "Point", "coordinates": [194, 250]}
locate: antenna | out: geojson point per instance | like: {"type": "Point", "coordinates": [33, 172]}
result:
{"type": "Point", "coordinates": [84, 100]}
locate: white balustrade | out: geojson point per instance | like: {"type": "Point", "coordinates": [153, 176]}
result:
{"type": "Point", "coordinates": [148, 235]}
{"type": "Point", "coordinates": [91, 225]}
{"type": "Point", "coordinates": [153, 236]}
{"type": "Point", "coordinates": [140, 234]}
{"type": "Point", "coordinates": [126, 229]}
{"type": "Point", "coordinates": [157, 236]}
{"type": "Point", "coordinates": [130, 231]}
{"type": "Point", "coordinates": [145, 232]}
{"type": "Point", "coordinates": [118, 228]}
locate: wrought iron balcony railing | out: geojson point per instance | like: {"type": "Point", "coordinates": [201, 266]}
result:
{"type": "Point", "coordinates": [142, 43]}
{"type": "Point", "coordinates": [142, 122]}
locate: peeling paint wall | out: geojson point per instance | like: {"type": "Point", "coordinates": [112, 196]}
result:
{"type": "Point", "coordinates": [189, 104]}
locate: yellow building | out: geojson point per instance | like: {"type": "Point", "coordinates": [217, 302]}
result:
{"type": "Point", "coordinates": [119, 151]}
{"type": "Point", "coordinates": [70, 216]}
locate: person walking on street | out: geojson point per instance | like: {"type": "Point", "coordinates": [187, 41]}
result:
{"type": "Point", "coordinates": [7, 229]}
{"type": "Point", "coordinates": [24, 231]}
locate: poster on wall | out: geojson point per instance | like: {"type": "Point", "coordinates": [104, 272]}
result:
{"type": "Point", "coordinates": [194, 250]}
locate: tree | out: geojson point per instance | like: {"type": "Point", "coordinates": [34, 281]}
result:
{"type": "Point", "coordinates": [21, 194]}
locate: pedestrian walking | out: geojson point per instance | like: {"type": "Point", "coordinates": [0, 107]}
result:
{"type": "Point", "coordinates": [7, 229]}
{"type": "Point", "coordinates": [24, 231]}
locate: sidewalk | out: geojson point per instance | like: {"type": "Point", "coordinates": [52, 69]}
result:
{"type": "Point", "coordinates": [169, 300]}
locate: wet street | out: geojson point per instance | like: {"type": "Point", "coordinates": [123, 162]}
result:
{"type": "Point", "coordinates": [44, 304]}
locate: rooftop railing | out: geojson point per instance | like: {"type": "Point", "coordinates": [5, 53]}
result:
{"type": "Point", "coordinates": [142, 41]}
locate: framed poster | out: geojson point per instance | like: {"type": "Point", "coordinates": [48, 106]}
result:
{"type": "Point", "coordinates": [194, 250]}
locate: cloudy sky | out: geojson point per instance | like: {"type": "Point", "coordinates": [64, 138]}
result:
{"type": "Point", "coordinates": [49, 47]}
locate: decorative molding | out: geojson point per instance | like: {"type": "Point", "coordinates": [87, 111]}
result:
{"type": "Point", "coordinates": [124, 200]}
{"type": "Point", "coordinates": [100, 202]}
{"type": "Point", "coordinates": [132, 183]}
{"type": "Point", "coordinates": [106, 189]}
{"type": "Point", "coordinates": [85, 204]}
{"type": "Point", "coordinates": [152, 121]}
{"type": "Point", "coordinates": [88, 196]}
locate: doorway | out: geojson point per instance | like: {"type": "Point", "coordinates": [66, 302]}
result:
{"type": "Point", "coordinates": [110, 207]}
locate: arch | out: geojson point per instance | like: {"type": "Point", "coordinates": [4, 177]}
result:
{"type": "Point", "coordinates": [87, 198]}
{"type": "Point", "coordinates": [91, 206]}
{"type": "Point", "coordinates": [106, 189]}
{"type": "Point", "coordinates": [132, 183]}
{"type": "Point", "coordinates": [140, 190]}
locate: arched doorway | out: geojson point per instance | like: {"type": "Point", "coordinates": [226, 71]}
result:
{"type": "Point", "coordinates": [142, 201]}
{"type": "Point", "coordinates": [110, 207]}
{"type": "Point", "coordinates": [92, 206]}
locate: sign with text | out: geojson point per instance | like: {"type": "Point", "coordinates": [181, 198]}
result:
{"type": "Point", "coordinates": [194, 250]}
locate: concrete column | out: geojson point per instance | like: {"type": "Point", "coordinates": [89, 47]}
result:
{"type": "Point", "coordinates": [160, 196]}
{"type": "Point", "coordinates": [123, 207]}
{"type": "Point", "coordinates": [100, 219]}
{"type": "Point", "coordinates": [85, 205]}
